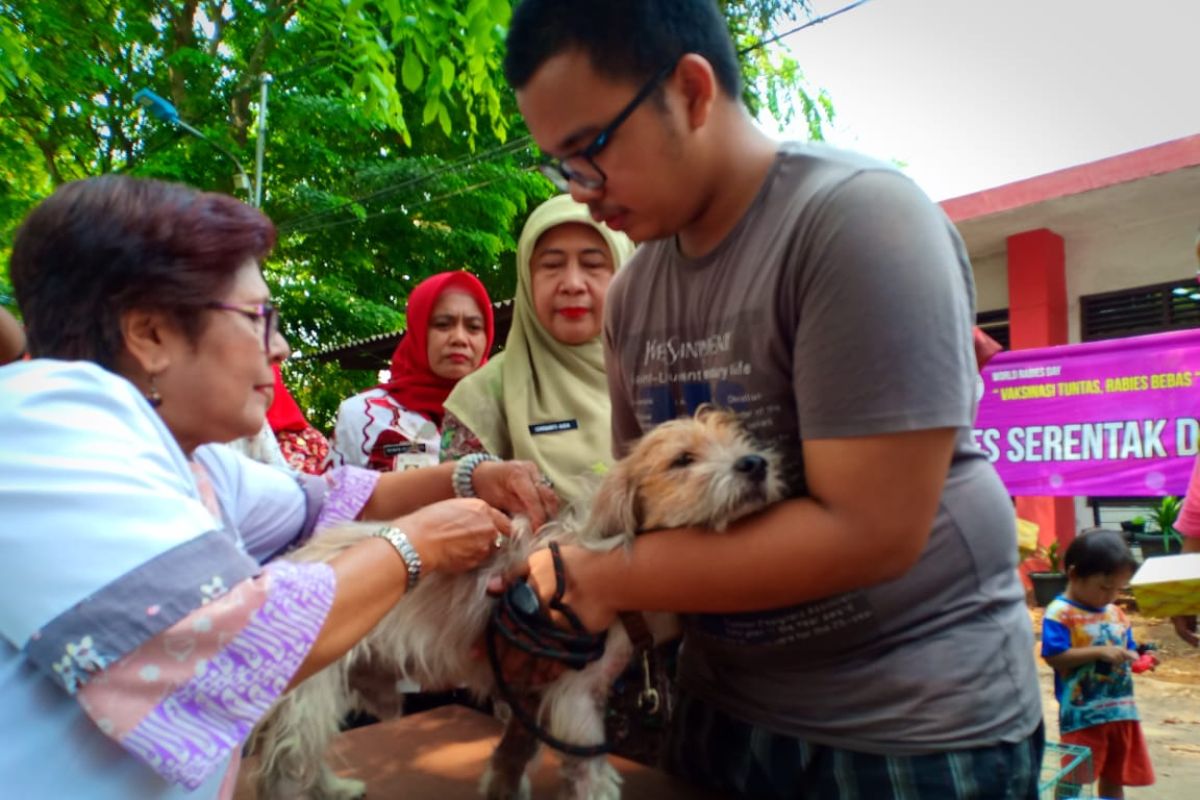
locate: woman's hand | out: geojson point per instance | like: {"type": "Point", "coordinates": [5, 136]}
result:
{"type": "Point", "coordinates": [455, 535]}
{"type": "Point", "coordinates": [517, 487]}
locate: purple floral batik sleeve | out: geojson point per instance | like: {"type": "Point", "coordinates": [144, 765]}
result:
{"type": "Point", "coordinates": [186, 700]}
{"type": "Point", "coordinates": [349, 490]}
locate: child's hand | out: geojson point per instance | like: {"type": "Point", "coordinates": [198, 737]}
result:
{"type": "Point", "coordinates": [1115, 654]}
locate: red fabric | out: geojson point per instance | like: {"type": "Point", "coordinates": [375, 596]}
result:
{"type": "Point", "coordinates": [1119, 754]}
{"type": "Point", "coordinates": [284, 414]}
{"type": "Point", "coordinates": [985, 347]}
{"type": "Point", "coordinates": [304, 450]}
{"type": "Point", "coordinates": [412, 383]}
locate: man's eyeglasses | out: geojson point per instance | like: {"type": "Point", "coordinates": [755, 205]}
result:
{"type": "Point", "coordinates": [580, 167]}
{"type": "Point", "coordinates": [255, 311]}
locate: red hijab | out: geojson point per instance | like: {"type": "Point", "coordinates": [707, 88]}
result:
{"type": "Point", "coordinates": [412, 383]}
{"type": "Point", "coordinates": [284, 414]}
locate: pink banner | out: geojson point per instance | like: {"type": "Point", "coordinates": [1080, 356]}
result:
{"type": "Point", "coordinates": [1111, 418]}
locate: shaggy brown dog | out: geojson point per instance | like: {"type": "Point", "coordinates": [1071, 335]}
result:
{"type": "Point", "coordinates": [703, 471]}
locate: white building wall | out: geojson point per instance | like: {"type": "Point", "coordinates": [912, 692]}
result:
{"type": "Point", "coordinates": [991, 282]}
{"type": "Point", "coordinates": [1109, 259]}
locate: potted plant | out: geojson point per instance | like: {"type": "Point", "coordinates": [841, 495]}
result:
{"type": "Point", "coordinates": [1051, 582]}
{"type": "Point", "coordinates": [1166, 540]}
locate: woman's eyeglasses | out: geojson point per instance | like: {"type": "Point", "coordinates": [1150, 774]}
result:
{"type": "Point", "coordinates": [254, 311]}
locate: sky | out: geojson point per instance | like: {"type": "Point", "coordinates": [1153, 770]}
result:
{"type": "Point", "coordinates": [971, 94]}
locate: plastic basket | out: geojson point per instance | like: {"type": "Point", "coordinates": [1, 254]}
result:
{"type": "Point", "coordinates": [1066, 772]}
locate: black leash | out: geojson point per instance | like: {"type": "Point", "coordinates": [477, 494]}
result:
{"type": "Point", "coordinates": [518, 618]}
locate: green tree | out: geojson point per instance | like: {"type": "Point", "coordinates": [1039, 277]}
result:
{"type": "Point", "coordinates": [394, 149]}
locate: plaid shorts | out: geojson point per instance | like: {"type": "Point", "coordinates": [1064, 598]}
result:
{"type": "Point", "coordinates": [709, 748]}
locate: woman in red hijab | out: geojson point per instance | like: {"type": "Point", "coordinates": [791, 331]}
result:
{"type": "Point", "coordinates": [304, 448]}
{"type": "Point", "coordinates": [397, 424]}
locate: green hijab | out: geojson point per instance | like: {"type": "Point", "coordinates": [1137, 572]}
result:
{"type": "Point", "coordinates": [542, 400]}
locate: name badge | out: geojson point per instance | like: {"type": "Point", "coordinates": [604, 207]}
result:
{"type": "Point", "coordinates": [553, 427]}
{"type": "Point", "coordinates": [402, 448]}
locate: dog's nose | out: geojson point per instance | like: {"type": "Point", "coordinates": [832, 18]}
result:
{"type": "Point", "coordinates": [753, 467]}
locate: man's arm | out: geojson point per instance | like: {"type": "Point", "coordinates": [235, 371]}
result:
{"type": "Point", "coordinates": [879, 415]}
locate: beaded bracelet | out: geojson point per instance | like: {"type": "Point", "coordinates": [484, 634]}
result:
{"type": "Point", "coordinates": [464, 471]}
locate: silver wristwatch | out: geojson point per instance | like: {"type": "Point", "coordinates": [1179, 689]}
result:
{"type": "Point", "coordinates": [408, 553]}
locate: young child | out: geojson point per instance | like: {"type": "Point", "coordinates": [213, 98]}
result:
{"type": "Point", "coordinates": [1089, 643]}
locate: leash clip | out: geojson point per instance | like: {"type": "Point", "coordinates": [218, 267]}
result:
{"type": "Point", "coordinates": [648, 699]}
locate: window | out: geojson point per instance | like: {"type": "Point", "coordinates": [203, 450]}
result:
{"type": "Point", "coordinates": [1130, 312]}
{"type": "Point", "coordinates": [995, 325]}
{"type": "Point", "coordinates": [1143, 309]}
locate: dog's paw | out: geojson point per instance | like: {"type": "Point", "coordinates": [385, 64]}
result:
{"type": "Point", "coordinates": [334, 787]}
{"type": "Point", "coordinates": [590, 779]}
{"type": "Point", "coordinates": [496, 786]}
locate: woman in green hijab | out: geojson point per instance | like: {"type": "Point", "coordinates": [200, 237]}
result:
{"type": "Point", "coordinates": [545, 398]}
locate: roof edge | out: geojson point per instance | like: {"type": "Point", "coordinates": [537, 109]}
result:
{"type": "Point", "coordinates": [1136, 164]}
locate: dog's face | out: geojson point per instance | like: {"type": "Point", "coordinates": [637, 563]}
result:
{"type": "Point", "coordinates": [704, 471]}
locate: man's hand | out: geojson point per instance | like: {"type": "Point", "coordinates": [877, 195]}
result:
{"type": "Point", "coordinates": [592, 613]}
{"type": "Point", "coordinates": [522, 669]}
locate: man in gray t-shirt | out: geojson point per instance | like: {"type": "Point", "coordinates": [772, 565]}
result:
{"type": "Point", "coordinates": [867, 635]}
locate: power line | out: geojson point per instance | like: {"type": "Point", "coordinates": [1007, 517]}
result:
{"type": "Point", "coordinates": [409, 206]}
{"type": "Point", "coordinates": [457, 165]}
{"type": "Point", "coordinates": [799, 28]}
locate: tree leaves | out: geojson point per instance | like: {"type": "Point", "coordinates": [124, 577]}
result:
{"type": "Point", "coordinates": [393, 150]}
{"type": "Point", "coordinates": [412, 73]}
{"type": "Point", "coordinates": [13, 67]}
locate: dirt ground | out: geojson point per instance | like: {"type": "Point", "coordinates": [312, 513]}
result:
{"type": "Point", "coordinates": [1169, 703]}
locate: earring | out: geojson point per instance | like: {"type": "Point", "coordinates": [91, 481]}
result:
{"type": "Point", "coordinates": [152, 396]}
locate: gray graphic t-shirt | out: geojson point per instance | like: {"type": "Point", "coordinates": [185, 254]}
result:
{"type": "Point", "coordinates": [840, 305]}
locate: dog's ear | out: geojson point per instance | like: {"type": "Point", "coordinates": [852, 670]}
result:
{"type": "Point", "coordinates": [711, 413]}
{"type": "Point", "coordinates": [706, 412]}
{"type": "Point", "coordinates": [614, 508]}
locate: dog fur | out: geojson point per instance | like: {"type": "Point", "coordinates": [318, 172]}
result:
{"type": "Point", "coordinates": [703, 471]}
